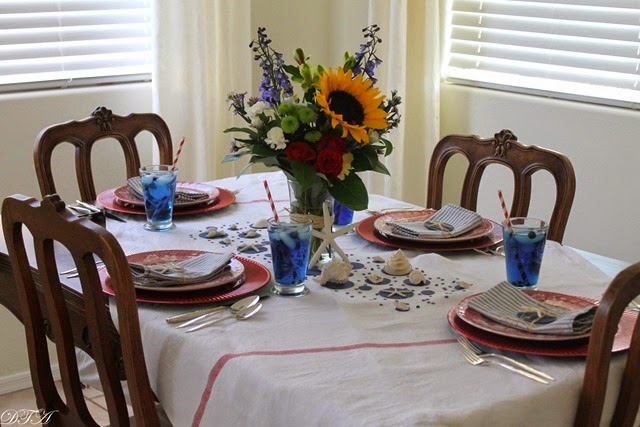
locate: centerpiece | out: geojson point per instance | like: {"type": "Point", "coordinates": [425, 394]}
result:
{"type": "Point", "coordinates": [322, 135]}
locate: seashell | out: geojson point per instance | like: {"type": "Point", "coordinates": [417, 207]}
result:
{"type": "Point", "coordinates": [378, 259]}
{"type": "Point", "coordinates": [464, 284]}
{"type": "Point", "coordinates": [261, 223]}
{"type": "Point", "coordinates": [212, 232]}
{"type": "Point", "coordinates": [398, 264]}
{"type": "Point", "coordinates": [250, 233]}
{"type": "Point", "coordinates": [335, 271]}
{"type": "Point", "coordinates": [401, 305]}
{"type": "Point", "coordinates": [226, 241]}
{"type": "Point", "coordinates": [233, 227]}
{"type": "Point", "coordinates": [374, 278]}
{"type": "Point", "coordinates": [416, 277]}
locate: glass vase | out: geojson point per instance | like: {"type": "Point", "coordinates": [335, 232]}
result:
{"type": "Point", "coordinates": [308, 203]}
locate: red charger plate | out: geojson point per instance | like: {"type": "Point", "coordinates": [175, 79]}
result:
{"type": "Point", "coordinates": [108, 200]}
{"type": "Point", "coordinates": [367, 231]}
{"type": "Point", "coordinates": [256, 276]}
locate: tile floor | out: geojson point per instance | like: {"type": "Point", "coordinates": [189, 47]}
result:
{"type": "Point", "coordinates": [24, 399]}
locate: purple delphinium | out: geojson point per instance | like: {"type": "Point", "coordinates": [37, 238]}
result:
{"type": "Point", "coordinates": [236, 102]}
{"type": "Point", "coordinates": [275, 83]}
{"type": "Point", "coordinates": [366, 59]}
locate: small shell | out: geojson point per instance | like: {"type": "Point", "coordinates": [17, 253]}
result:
{"type": "Point", "coordinates": [416, 277]}
{"type": "Point", "coordinates": [233, 227]}
{"type": "Point", "coordinates": [464, 284]}
{"type": "Point", "coordinates": [261, 223]}
{"type": "Point", "coordinates": [398, 264]}
{"type": "Point", "coordinates": [374, 278]}
{"type": "Point", "coordinates": [250, 233]}
{"type": "Point", "coordinates": [378, 259]}
{"type": "Point", "coordinates": [401, 305]}
{"type": "Point", "coordinates": [335, 271]}
{"type": "Point", "coordinates": [226, 241]}
{"type": "Point", "coordinates": [212, 232]}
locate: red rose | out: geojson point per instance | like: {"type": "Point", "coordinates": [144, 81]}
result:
{"type": "Point", "coordinates": [329, 162]}
{"type": "Point", "coordinates": [299, 151]}
{"type": "Point", "coordinates": [333, 143]}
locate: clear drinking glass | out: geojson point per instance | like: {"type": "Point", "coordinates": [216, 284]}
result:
{"type": "Point", "coordinates": [159, 187]}
{"type": "Point", "coordinates": [290, 243]}
{"type": "Point", "coordinates": [524, 245]}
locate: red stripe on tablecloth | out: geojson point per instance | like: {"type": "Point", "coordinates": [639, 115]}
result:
{"type": "Point", "coordinates": [220, 364]}
{"type": "Point", "coordinates": [259, 200]}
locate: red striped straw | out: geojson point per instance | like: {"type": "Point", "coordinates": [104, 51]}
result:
{"type": "Point", "coordinates": [273, 206]}
{"type": "Point", "coordinates": [504, 209]}
{"type": "Point", "coordinates": [175, 160]}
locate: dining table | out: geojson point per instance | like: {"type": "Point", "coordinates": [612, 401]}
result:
{"type": "Point", "coordinates": [345, 354]}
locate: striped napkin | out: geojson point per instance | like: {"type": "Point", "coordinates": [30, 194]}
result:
{"type": "Point", "coordinates": [506, 304]}
{"type": "Point", "coordinates": [454, 221]}
{"type": "Point", "coordinates": [201, 268]}
{"type": "Point", "coordinates": [135, 188]}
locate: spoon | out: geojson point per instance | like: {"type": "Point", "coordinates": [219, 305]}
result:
{"type": "Point", "coordinates": [249, 301]}
{"type": "Point", "coordinates": [243, 314]}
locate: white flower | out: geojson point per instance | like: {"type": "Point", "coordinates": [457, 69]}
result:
{"type": "Point", "coordinates": [275, 138]}
{"type": "Point", "coordinates": [254, 112]}
{"type": "Point", "coordinates": [374, 136]}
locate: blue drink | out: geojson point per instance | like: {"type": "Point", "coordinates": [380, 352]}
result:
{"type": "Point", "coordinates": [290, 243]}
{"type": "Point", "coordinates": [159, 186]}
{"type": "Point", "coordinates": [523, 249]}
{"type": "Point", "coordinates": [342, 215]}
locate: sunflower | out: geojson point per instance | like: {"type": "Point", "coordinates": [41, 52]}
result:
{"type": "Point", "coordinates": [351, 103]}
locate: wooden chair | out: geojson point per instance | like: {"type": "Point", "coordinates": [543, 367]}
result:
{"type": "Point", "coordinates": [46, 311]}
{"type": "Point", "coordinates": [523, 160]}
{"type": "Point", "coordinates": [85, 133]}
{"type": "Point", "coordinates": [624, 287]}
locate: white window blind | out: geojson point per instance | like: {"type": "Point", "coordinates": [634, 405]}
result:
{"type": "Point", "coordinates": [54, 44]}
{"type": "Point", "coordinates": [576, 49]}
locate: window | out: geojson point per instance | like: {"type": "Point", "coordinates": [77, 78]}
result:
{"type": "Point", "coordinates": [586, 50]}
{"type": "Point", "coordinates": [57, 44]}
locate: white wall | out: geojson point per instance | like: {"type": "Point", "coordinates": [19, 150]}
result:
{"type": "Point", "coordinates": [21, 118]}
{"type": "Point", "coordinates": [600, 141]}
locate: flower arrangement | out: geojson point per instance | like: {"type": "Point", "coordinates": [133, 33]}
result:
{"type": "Point", "coordinates": [335, 130]}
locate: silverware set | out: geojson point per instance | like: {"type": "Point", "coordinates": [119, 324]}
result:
{"type": "Point", "coordinates": [476, 356]}
{"type": "Point", "coordinates": [82, 209]}
{"type": "Point", "coordinates": [241, 310]}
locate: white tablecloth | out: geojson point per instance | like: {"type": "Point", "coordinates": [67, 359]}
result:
{"type": "Point", "coordinates": [346, 357]}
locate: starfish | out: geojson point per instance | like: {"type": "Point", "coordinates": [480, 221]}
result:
{"type": "Point", "coordinates": [392, 292]}
{"type": "Point", "coordinates": [328, 236]}
{"type": "Point", "coordinates": [250, 247]}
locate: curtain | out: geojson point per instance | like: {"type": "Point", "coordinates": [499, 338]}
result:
{"type": "Point", "coordinates": [196, 63]}
{"type": "Point", "coordinates": [202, 54]}
{"type": "Point", "coordinates": [411, 52]}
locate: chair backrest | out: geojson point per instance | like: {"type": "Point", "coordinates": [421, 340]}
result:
{"type": "Point", "coordinates": [53, 227]}
{"type": "Point", "coordinates": [83, 134]}
{"type": "Point", "coordinates": [624, 288]}
{"type": "Point", "coordinates": [523, 160]}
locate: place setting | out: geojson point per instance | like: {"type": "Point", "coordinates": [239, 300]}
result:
{"type": "Point", "coordinates": [451, 228]}
{"type": "Point", "coordinates": [155, 182]}
{"type": "Point", "coordinates": [179, 276]}
{"type": "Point", "coordinates": [514, 315]}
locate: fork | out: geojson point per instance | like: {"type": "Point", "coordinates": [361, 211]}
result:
{"type": "Point", "coordinates": [465, 342]}
{"type": "Point", "coordinates": [474, 359]}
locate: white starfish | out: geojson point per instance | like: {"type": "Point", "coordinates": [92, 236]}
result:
{"type": "Point", "coordinates": [328, 236]}
{"type": "Point", "coordinates": [250, 246]}
{"type": "Point", "coordinates": [391, 292]}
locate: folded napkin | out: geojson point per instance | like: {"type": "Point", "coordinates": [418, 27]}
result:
{"type": "Point", "coordinates": [201, 268]}
{"type": "Point", "coordinates": [135, 188]}
{"type": "Point", "coordinates": [506, 304]}
{"type": "Point", "coordinates": [449, 221]}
